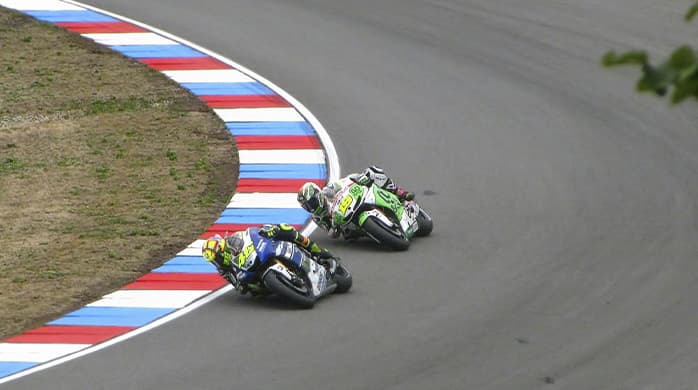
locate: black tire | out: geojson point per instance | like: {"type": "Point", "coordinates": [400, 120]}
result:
{"type": "Point", "coordinates": [343, 278]}
{"type": "Point", "coordinates": [425, 223]}
{"type": "Point", "coordinates": [283, 287]}
{"type": "Point", "coordinates": [386, 237]}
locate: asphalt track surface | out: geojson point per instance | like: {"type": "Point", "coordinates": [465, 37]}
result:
{"type": "Point", "coordinates": [565, 248]}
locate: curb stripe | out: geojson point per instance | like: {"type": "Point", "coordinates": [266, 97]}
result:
{"type": "Point", "coordinates": [9, 367]}
{"type": "Point", "coordinates": [186, 264]}
{"type": "Point", "coordinates": [270, 128]}
{"type": "Point", "coordinates": [254, 101]}
{"type": "Point", "coordinates": [261, 200]}
{"type": "Point", "coordinates": [157, 51]}
{"type": "Point", "coordinates": [193, 250]}
{"type": "Point", "coordinates": [262, 216]}
{"type": "Point", "coordinates": [223, 228]}
{"type": "Point", "coordinates": [112, 316]}
{"type": "Point", "coordinates": [69, 16]}
{"type": "Point", "coordinates": [100, 27]}
{"type": "Point", "coordinates": [274, 185]}
{"type": "Point", "coordinates": [125, 39]}
{"type": "Point", "coordinates": [234, 88]}
{"type": "Point", "coordinates": [189, 63]}
{"type": "Point", "coordinates": [177, 281]}
{"type": "Point", "coordinates": [283, 171]}
{"type": "Point", "coordinates": [274, 114]}
{"type": "Point", "coordinates": [70, 334]}
{"type": "Point", "coordinates": [289, 157]}
{"type": "Point", "coordinates": [278, 142]}
{"type": "Point", "coordinates": [31, 352]}
{"type": "Point", "coordinates": [170, 299]}
{"type": "Point", "coordinates": [281, 145]}
{"type": "Point", "coordinates": [209, 76]}
{"type": "Point", "coordinates": [41, 5]}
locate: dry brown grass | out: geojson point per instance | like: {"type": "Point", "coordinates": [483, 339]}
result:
{"type": "Point", "coordinates": [107, 169]}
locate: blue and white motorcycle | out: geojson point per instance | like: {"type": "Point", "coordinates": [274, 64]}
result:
{"type": "Point", "coordinates": [267, 266]}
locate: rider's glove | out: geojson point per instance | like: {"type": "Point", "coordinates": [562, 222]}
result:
{"type": "Point", "coordinates": [364, 179]}
{"type": "Point", "coordinates": [268, 231]}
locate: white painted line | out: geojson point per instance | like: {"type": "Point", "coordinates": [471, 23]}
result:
{"type": "Point", "coordinates": [298, 156]}
{"type": "Point", "coordinates": [208, 76]}
{"type": "Point", "coordinates": [39, 5]}
{"type": "Point", "coordinates": [126, 39]}
{"type": "Point", "coordinates": [150, 298]}
{"type": "Point", "coordinates": [260, 200]}
{"type": "Point", "coordinates": [283, 114]}
{"type": "Point", "coordinates": [31, 352]}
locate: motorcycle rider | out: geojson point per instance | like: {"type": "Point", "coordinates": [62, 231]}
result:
{"type": "Point", "coordinates": [223, 253]}
{"type": "Point", "coordinates": [317, 201]}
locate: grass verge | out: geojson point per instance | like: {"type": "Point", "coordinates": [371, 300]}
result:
{"type": "Point", "coordinates": [107, 169]}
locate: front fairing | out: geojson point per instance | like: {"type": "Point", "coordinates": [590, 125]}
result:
{"type": "Point", "coordinates": [258, 251]}
{"type": "Point", "coordinates": [347, 202]}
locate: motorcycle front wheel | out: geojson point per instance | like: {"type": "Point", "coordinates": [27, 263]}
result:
{"type": "Point", "coordinates": [343, 278]}
{"type": "Point", "coordinates": [385, 236]}
{"type": "Point", "coordinates": [283, 287]}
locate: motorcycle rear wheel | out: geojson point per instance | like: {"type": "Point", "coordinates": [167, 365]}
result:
{"type": "Point", "coordinates": [284, 288]}
{"type": "Point", "coordinates": [384, 236]}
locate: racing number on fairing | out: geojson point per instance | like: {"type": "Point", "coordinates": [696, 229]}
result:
{"type": "Point", "coordinates": [246, 252]}
{"type": "Point", "coordinates": [345, 203]}
{"type": "Point", "coordinates": [356, 191]}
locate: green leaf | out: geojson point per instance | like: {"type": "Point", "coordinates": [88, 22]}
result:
{"type": "Point", "coordinates": [691, 12]}
{"type": "Point", "coordinates": [655, 79]}
{"type": "Point", "coordinates": [685, 90]}
{"type": "Point", "coordinates": [682, 57]}
{"type": "Point", "coordinates": [690, 72]}
{"type": "Point", "coordinates": [627, 58]}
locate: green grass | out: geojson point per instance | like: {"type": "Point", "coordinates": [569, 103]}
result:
{"type": "Point", "coordinates": [10, 165]}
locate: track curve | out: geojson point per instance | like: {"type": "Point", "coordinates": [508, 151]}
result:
{"type": "Point", "coordinates": [565, 209]}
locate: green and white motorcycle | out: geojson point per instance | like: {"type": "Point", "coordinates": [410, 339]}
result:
{"type": "Point", "coordinates": [380, 215]}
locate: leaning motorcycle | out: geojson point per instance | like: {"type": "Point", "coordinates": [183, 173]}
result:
{"type": "Point", "coordinates": [287, 270]}
{"type": "Point", "coordinates": [380, 215]}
